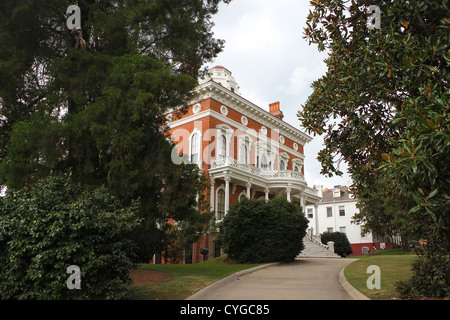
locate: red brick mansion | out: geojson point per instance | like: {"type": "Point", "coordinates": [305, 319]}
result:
{"type": "Point", "coordinates": [244, 150]}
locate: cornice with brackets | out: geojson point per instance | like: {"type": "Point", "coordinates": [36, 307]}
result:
{"type": "Point", "coordinates": [212, 89]}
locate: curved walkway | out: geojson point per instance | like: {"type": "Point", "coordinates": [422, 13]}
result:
{"type": "Point", "coordinates": [303, 279]}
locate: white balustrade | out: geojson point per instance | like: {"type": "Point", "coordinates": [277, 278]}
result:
{"type": "Point", "coordinates": [267, 174]}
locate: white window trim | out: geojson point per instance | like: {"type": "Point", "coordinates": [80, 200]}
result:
{"type": "Point", "coordinates": [220, 141]}
{"type": "Point", "coordinates": [227, 132]}
{"type": "Point", "coordinates": [216, 199]}
{"type": "Point", "coordinates": [199, 147]}
{"type": "Point", "coordinates": [243, 158]}
{"type": "Point", "coordinates": [285, 158]}
{"type": "Point", "coordinates": [326, 211]}
{"type": "Point", "coordinates": [297, 163]}
{"type": "Point", "coordinates": [243, 193]}
{"type": "Point", "coordinates": [245, 139]}
{"type": "Point", "coordinates": [262, 148]}
{"type": "Point", "coordinates": [268, 162]}
{"type": "Point", "coordinates": [256, 133]}
{"type": "Point", "coordinates": [282, 161]}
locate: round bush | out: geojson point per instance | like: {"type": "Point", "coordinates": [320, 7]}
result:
{"type": "Point", "coordinates": [57, 224]}
{"type": "Point", "coordinates": [341, 244]}
{"type": "Point", "coordinates": [257, 231]}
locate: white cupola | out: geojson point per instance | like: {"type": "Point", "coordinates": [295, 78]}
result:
{"type": "Point", "coordinates": [222, 76]}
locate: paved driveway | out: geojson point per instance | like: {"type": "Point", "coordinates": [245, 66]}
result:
{"type": "Point", "coordinates": [303, 279]}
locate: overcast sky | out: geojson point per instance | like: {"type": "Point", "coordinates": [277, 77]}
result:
{"type": "Point", "coordinates": [270, 60]}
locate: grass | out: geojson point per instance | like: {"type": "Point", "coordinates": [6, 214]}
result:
{"type": "Point", "coordinates": [187, 278]}
{"type": "Point", "coordinates": [394, 265]}
{"type": "Point", "coordinates": [190, 278]}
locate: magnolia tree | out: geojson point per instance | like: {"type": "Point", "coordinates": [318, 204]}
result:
{"type": "Point", "coordinates": [383, 107]}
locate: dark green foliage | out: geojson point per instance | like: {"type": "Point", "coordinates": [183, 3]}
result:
{"type": "Point", "coordinates": [431, 273]}
{"type": "Point", "coordinates": [57, 224]}
{"type": "Point", "coordinates": [341, 244]}
{"type": "Point", "coordinates": [257, 231]}
{"type": "Point", "coordinates": [383, 106]}
{"type": "Point", "coordinates": [383, 211]}
{"type": "Point", "coordinates": [99, 112]}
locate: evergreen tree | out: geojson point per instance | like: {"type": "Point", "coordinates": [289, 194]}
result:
{"type": "Point", "coordinates": [92, 101]}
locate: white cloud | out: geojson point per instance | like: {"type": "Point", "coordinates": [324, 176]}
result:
{"type": "Point", "coordinates": [302, 77]}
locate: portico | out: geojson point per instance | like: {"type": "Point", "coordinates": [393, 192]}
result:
{"type": "Point", "coordinates": [228, 174]}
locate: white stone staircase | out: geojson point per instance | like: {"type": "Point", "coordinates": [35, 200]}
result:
{"type": "Point", "coordinates": [315, 249]}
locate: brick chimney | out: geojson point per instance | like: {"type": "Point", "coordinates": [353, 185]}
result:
{"type": "Point", "coordinates": [274, 109]}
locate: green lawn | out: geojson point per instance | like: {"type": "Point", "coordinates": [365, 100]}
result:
{"type": "Point", "coordinates": [394, 266]}
{"type": "Point", "coordinates": [188, 278]}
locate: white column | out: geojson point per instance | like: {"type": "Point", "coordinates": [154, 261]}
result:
{"type": "Point", "coordinates": [227, 193]}
{"type": "Point", "coordinates": [267, 193]}
{"type": "Point", "coordinates": [316, 215]}
{"type": "Point", "coordinates": [249, 185]}
{"type": "Point", "coordinates": [288, 193]}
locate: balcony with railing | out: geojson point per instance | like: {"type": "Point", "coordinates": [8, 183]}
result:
{"type": "Point", "coordinates": [284, 182]}
{"type": "Point", "coordinates": [248, 169]}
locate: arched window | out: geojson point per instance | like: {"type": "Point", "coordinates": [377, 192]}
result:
{"type": "Point", "coordinates": [220, 204]}
{"type": "Point", "coordinates": [282, 165]}
{"type": "Point", "coordinates": [222, 146]}
{"type": "Point", "coordinates": [264, 165]}
{"type": "Point", "coordinates": [243, 153]}
{"type": "Point", "coordinates": [242, 197]}
{"type": "Point", "coordinates": [296, 169]}
{"type": "Point", "coordinates": [195, 144]}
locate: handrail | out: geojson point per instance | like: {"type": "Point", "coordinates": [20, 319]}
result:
{"type": "Point", "coordinates": [267, 174]}
{"type": "Point", "coordinates": [317, 240]}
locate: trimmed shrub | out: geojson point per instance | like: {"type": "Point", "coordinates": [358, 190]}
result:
{"type": "Point", "coordinates": [257, 231]}
{"type": "Point", "coordinates": [341, 244]}
{"type": "Point", "coordinates": [57, 224]}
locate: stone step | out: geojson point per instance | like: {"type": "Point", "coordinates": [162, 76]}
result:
{"type": "Point", "coordinates": [313, 250]}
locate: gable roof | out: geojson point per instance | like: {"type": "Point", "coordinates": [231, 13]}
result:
{"type": "Point", "coordinates": [329, 195]}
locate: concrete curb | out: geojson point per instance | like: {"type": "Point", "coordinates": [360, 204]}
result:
{"type": "Point", "coordinates": [352, 292]}
{"type": "Point", "coordinates": [199, 295]}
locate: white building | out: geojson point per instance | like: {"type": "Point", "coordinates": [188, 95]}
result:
{"type": "Point", "coordinates": [335, 214]}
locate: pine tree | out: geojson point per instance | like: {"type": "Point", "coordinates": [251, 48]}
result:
{"type": "Point", "coordinates": [92, 101]}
